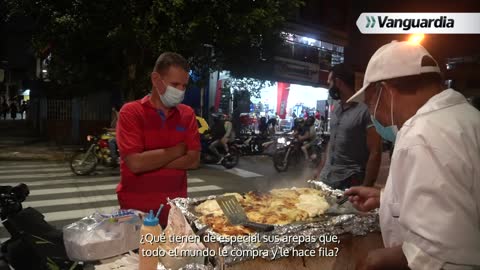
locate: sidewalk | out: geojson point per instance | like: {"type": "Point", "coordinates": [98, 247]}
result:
{"type": "Point", "coordinates": [40, 151]}
{"type": "Point", "coordinates": [18, 141]}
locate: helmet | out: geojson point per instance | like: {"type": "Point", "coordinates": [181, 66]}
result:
{"type": "Point", "coordinates": [299, 121]}
{"type": "Point", "coordinates": [310, 121]}
{"type": "Point", "coordinates": [218, 116]}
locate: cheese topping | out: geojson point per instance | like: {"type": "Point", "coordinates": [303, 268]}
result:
{"type": "Point", "coordinates": [313, 204]}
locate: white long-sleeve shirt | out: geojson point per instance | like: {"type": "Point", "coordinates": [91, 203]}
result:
{"type": "Point", "coordinates": [431, 202]}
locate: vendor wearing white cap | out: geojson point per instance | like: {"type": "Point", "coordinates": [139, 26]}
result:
{"type": "Point", "coordinates": [430, 207]}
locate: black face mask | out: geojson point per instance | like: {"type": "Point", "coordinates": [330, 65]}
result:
{"type": "Point", "coordinates": [334, 92]}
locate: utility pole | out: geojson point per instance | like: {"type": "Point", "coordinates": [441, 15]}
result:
{"type": "Point", "coordinates": [206, 74]}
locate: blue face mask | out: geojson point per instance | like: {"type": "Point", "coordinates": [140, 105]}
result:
{"type": "Point", "coordinates": [387, 133]}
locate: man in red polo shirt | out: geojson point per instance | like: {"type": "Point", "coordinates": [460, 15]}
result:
{"type": "Point", "coordinates": [158, 140]}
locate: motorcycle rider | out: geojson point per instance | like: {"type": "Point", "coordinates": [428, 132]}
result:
{"type": "Point", "coordinates": [112, 143]}
{"type": "Point", "coordinates": [229, 132]}
{"type": "Point", "coordinates": [272, 125]}
{"type": "Point", "coordinates": [263, 127]}
{"type": "Point", "coordinates": [309, 135]}
{"type": "Point", "coordinates": [218, 135]}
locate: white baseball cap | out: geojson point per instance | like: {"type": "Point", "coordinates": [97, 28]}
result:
{"type": "Point", "coordinates": [393, 60]}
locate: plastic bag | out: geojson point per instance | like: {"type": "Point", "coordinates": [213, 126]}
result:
{"type": "Point", "coordinates": [101, 236]}
{"type": "Point", "coordinates": [126, 262]}
{"type": "Point", "coordinates": [177, 228]}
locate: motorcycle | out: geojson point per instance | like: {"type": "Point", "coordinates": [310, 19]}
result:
{"type": "Point", "coordinates": [230, 159]}
{"type": "Point", "coordinates": [291, 154]}
{"type": "Point", "coordinates": [34, 243]}
{"type": "Point", "coordinates": [252, 144]}
{"type": "Point", "coordinates": [85, 162]}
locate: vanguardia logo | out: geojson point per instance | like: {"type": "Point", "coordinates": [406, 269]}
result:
{"type": "Point", "coordinates": [407, 24]}
{"type": "Point", "coordinates": [371, 21]}
{"type": "Point", "coordinates": [403, 23]}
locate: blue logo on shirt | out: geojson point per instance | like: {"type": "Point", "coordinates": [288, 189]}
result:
{"type": "Point", "coordinates": [180, 128]}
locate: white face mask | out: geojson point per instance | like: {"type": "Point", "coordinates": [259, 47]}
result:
{"type": "Point", "coordinates": [172, 96]}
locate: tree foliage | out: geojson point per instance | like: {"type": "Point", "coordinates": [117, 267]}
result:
{"type": "Point", "coordinates": [251, 85]}
{"type": "Point", "coordinates": [113, 44]}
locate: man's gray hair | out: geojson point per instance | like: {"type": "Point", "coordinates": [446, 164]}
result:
{"type": "Point", "coordinates": [168, 59]}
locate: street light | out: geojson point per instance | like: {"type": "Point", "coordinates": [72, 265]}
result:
{"type": "Point", "coordinates": [416, 38]}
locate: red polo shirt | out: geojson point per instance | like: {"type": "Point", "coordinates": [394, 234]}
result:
{"type": "Point", "coordinates": [141, 128]}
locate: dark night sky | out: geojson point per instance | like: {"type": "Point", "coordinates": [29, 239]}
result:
{"type": "Point", "coordinates": [362, 46]}
{"type": "Point", "coordinates": [328, 12]}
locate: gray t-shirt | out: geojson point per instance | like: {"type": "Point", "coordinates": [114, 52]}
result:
{"type": "Point", "coordinates": [347, 152]}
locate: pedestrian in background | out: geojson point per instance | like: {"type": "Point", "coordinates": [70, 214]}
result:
{"type": "Point", "coordinates": [23, 110]}
{"type": "Point", "coordinates": [13, 110]}
{"type": "Point", "coordinates": [354, 151]}
{"type": "Point", "coordinates": [4, 108]}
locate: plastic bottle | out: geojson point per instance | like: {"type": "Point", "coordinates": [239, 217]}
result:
{"type": "Point", "coordinates": [150, 226]}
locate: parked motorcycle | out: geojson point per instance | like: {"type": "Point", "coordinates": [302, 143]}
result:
{"type": "Point", "coordinates": [252, 144]}
{"type": "Point", "coordinates": [85, 162]}
{"type": "Point", "coordinates": [230, 159]}
{"type": "Point", "coordinates": [34, 244]}
{"type": "Point", "coordinates": [291, 154]}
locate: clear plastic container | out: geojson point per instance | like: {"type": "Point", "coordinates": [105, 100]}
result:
{"type": "Point", "coordinates": [175, 263]}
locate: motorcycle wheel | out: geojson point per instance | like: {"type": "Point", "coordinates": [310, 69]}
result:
{"type": "Point", "coordinates": [279, 160]}
{"type": "Point", "coordinates": [85, 168]}
{"type": "Point", "coordinates": [232, 159]}
{"type": "Point", "coordinates": [316, 154]}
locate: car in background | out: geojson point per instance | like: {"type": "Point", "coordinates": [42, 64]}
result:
{"type": "Point", "coordinates": [285, 124]}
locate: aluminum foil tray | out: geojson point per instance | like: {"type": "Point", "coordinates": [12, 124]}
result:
{"type": "Point", "coordinates": [349, 222]}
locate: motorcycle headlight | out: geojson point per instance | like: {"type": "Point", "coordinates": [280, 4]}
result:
{"type": "Point", "coordinates": [281, 140]}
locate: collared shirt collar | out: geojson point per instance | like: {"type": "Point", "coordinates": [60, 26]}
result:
{"type": "Point", "coordinates": [146, 102]}
{"type": "Point", "coordinates": [442, 100]}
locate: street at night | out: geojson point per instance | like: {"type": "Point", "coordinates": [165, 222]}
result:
{"type": "Point", "coordinates": [64, 198]}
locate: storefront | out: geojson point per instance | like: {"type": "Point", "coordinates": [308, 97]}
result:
{"type": "Point", "coordinates": [290, 100]}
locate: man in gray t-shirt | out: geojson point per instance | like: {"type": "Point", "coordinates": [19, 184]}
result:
{"type": "Point", "coordinates": [354, 150]}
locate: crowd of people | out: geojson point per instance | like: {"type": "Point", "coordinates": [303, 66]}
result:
{"type": "Point", "coordinates": [13, 108]}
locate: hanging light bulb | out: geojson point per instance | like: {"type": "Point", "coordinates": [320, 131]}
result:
{"type": "Point", "coordinates": [416, 38]}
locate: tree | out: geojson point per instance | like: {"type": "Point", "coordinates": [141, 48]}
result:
{"type": "Point", "coordinates": [251, 85]}
{"type": "Point", "coordinates": [107, 44]}
{"type": "Point", "coordinates": [243, 89]}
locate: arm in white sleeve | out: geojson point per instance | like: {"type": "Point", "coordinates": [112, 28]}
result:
{"type": "Point", "coordinates": [438, 213]}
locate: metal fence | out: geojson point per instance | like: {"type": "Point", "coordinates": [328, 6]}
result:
{"type": "Point", "coordinates": [92, 107]}
{"type": "Point", "coordinates": [59, 109]}
{"type": "Point", "coordinates": [95, 107]}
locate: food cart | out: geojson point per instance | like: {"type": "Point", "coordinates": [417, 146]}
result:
{"type": "Point", "coordinates": [357, 234]}
{"type": "Point", "coordinates": [339, 240]}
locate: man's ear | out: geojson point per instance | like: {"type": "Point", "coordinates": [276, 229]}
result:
{"type": "Point", "coordinates": [390, 89]}
{"type": "Point", "coordinates": [337, 82]}
{"type": "Point", "coordinates": [154, 77]}
{"type": "Point", "coordinates": [380, 85]}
